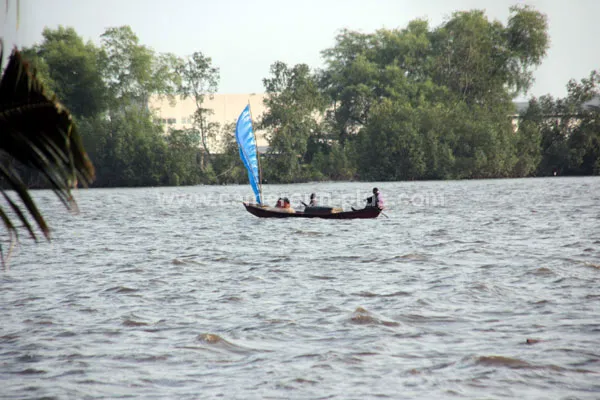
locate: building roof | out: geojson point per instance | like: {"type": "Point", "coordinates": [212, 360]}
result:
{"type": "Point", "coordinates": [521, 106]}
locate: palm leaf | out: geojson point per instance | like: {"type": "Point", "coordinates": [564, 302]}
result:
{"type": "Point", "coordinates": [38, 132]}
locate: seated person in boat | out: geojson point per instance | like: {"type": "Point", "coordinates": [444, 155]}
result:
{"type": "Point", "coordinates": [376, 200]}
{"type": "Point", "coordinates": [282, 205]}
{"type": "Point", "coordinates": [287, 206]}
{"type": "Point", "coordinates": [314, 208]}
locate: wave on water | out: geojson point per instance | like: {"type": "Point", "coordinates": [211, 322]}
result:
{"type": "Point", "coordinates": [308, 233]}
{"type": "Point", "coordinates": [591, 265]}
{"type": "Point", "coordinates": [31, 371]}
{"type": "Point", "coordinates": [133, 323]}
{"type": "Point", "coordinates": [371, 294]}
{"type": "Point", "coordinates": [217, 342]}
{"type": "Point", "coordinates": [501, 361]}
{"type": "Point", "coordinates": [122, 290]}
{"type": "Point", "coordinates": [410, 257]}
{"type": "Point", "coordinates": [342, 258]}
{"type": "Point", "coordinates": [516, 363]}
{"type": "Point", "coordinates": [211, 338]}
{"type": "Point", "coordinates": [360, 316]}
{"type": "Point", "coordinates": [323, 277]}
{"type": "Point", "coordinates": [542, 271]}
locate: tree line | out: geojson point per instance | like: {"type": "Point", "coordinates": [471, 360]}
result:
{"type": "Point", "coordinates": [107, 88]}
{"type": "Point", "coordinates": [419, 102]}
{"type": "Point", "coordinates": [430, 103]}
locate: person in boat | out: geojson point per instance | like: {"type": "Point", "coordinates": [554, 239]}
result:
{"type": "Point", "coordinates": [287, 206]}
{"type": "Point", "coordinates": [279, 206]}
{"type": "Point", "coordinates": [376, 200]}
{"type": "Point", "coordinates": [313, 200]}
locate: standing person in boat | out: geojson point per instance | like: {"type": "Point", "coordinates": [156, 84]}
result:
{"type": "Point", "coordinates": [376, 200]}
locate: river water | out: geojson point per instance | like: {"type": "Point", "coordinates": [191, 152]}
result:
{"type": "Point", "coordinates": [180, 293]}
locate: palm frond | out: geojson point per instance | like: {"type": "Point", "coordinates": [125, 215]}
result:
{"type": "Point", "coordinates": [38, 132]}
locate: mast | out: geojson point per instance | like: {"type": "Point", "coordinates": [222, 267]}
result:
{"type": "Point", "coordinates": [257, 154]}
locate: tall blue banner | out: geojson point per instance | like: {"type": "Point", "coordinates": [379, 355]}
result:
{"type": "Point", "coordinates": [248, 151]}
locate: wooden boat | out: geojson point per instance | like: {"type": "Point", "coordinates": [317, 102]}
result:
{"type": "Point", "coordinates": [246, 139]}
{"type": "Point", "coordinates": [271, 212]}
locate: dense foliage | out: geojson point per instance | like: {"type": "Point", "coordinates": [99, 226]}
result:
{"type": "Point", "coordinates": [107, 87]}
{"type": "Point", "coordinates": [420, 103]}
{"type": "Point", "coordinates": [414, 103]}
{"type": "Point", "coordinates": [569, 129]}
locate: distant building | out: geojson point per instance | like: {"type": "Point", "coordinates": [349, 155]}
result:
{"type": "Point", "coordinates": [521, 109]}
{"type": "Point", "coordinates": [522, 106]}
{"type": "Point", "coordinates": [226, 109]}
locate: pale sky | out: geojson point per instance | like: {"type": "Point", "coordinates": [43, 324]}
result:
{"type": "Point", "coordinates": [244, 38]}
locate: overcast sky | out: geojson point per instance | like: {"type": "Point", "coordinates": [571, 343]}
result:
{"type": "Point", "coordinates": [244, 38]}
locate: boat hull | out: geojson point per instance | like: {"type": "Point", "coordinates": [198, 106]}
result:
{"type": "Point", "coordinates": [262, 212]}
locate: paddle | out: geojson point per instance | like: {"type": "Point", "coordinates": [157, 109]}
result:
{"type": "Point", "coordinates": [380, 209]}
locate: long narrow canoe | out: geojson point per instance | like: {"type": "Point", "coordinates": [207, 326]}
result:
{"type": "Point", "coordinates": [269, 212]}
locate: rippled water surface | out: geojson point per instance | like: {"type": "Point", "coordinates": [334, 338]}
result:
{"type": "Point", "coordinates": [470, 289]}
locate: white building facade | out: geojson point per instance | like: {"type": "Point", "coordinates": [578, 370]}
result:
{"type": "Point", "coordinates": [226, 109]}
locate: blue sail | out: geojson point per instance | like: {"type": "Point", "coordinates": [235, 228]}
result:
{"type": "Point", "coordinates": [248, 150]}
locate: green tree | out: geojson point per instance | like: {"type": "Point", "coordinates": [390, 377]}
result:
{"type": "Point", "coordinates": [335, 162]}
{"type": "Point", "coordinates": [486, 62]}
{"type": "Point", "coordinates": [528, 139]}
{"type": "Point", "coordinates": [390, 147]}
{"type": "Point", "coordinates": [293, 104]}
{"type": "Point", "coordinates": [132, 71]}
{"type": "Point", "coordinates": [228, 166]}
{"type": "Point", "coordinates": [128, 149]}
{"type": "Point", "coordinates": [583, 131]}
{"type": "Point", "coordinates": [70, 70]}
{"type": "Point", "coordinates": [570, 130]}
{"type": "Point", "coordinates": [348, 81]}
{"type": "Point", "coordinates": [553, 134]}
{"type": "Point", "coordinates": [528, 42]}
{"type": "Point", "coordinates": [199, 78]}
{"type": "Point", "coordinates": [184, 158]}
{"type": "Point", "coordinates": [423, 103]}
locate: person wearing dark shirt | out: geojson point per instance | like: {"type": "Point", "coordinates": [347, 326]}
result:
{"type": "Point", "coordinates": [376, 200]}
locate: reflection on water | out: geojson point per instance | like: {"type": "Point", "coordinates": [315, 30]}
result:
{"type": "Point", "coordinates": [491, 291]}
